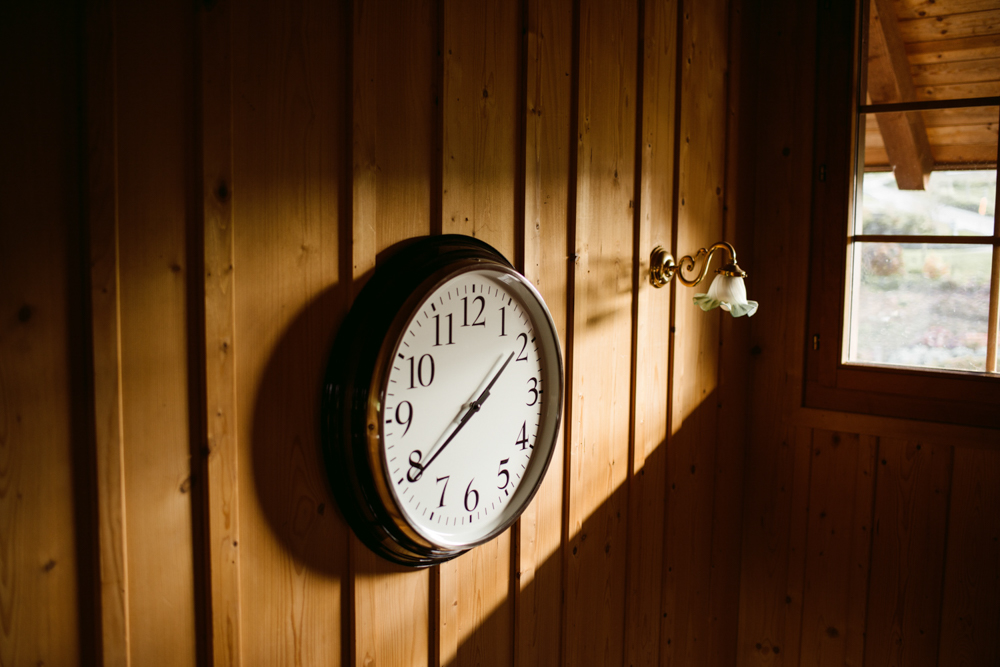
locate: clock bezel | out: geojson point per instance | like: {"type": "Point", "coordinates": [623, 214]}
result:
{"type": "Point", "coordinates": [357, 374]}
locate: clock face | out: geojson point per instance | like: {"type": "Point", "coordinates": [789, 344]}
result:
{"type": "Point", "coordinates": [469, 406]}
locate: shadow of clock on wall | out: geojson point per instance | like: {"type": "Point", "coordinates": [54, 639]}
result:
{"type": "Point", "coordinates": [289, 475]}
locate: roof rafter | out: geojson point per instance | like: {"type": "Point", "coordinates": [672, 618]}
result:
{"type": "Point", "coordinates": [889, 80]}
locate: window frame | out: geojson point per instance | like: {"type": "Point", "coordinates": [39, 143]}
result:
{"type": "Point", "coordinates": [945, 396]}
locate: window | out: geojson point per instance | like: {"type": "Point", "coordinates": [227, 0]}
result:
{"type": "Point", "coordinates": [906, 248]}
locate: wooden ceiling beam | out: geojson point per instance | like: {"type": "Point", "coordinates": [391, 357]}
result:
{"type": "Point", "coordinates": [889, 80]}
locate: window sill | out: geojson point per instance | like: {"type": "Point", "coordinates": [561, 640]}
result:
{"type": "Point", "coordinates": [947, 397]}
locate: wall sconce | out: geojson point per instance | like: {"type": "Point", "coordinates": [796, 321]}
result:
{"type": "Point", "coordinates": [727, 290]}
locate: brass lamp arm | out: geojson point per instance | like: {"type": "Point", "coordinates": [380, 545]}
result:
{"type": "Point", "coordinates": [662, 267]}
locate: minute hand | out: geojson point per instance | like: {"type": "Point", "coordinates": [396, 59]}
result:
{"type": "Point", "coordinates": [473, 409]}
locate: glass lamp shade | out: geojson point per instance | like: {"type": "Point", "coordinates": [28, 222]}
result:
{"type": "Point", "coordinates": [729, 293]}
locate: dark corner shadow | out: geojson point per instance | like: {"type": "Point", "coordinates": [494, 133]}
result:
{"type": "Point", "coordinates": [288, 469]}
{"type": "Point", "coordinates": [289, 473]}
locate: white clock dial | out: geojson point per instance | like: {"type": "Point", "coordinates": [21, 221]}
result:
{"type": "Point", "coordinates": [464, 404]}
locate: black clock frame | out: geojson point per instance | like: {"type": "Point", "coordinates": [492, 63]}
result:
{"type": "Point", "coordinates": [358, 352]}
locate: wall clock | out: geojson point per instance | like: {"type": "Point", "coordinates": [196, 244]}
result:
{"type": "Point", "coordinates": [442, 401]}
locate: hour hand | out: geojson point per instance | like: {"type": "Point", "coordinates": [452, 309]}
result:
{"type": "Point", "coordinates": [486, 392]}
{"type": "Point", "coordinates": [481, 393]}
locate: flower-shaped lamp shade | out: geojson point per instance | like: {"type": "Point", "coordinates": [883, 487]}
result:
{"type": "Point", "coordinates": [729, 292]}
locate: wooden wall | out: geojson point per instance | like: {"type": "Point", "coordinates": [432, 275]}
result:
{"type": "Point", "coordinates": [193, 195]}
{"type": "Point", "coordinates": [866, 540]}
{"type": "Point", "coordinates": [223, 180]}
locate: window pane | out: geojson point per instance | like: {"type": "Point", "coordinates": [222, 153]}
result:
{"type": "Point", "coordinates": [920, 304]}
{"type": "Point", "coordinates": [910, 144]}
{"type": "Point", "coordinates": [955, 203]}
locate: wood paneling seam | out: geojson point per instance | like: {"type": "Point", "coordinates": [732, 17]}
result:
{"type": "Point", "coordinates": [106, 328]}
{"type": "Point", "coordinates": [221, 462]}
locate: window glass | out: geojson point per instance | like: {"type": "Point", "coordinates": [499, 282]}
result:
{"type": "Point", "coordinates": [917, 299]}
{"type": "Point", "coordinates": [921, 304]}
{"type": "Point", "coordinates": [960, 138]}
{"type": "Point", "coordinates": [955, 203]}
{"type": "Point", "coordinates": [922, 236]}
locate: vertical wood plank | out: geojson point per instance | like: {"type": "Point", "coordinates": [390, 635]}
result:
{"type": "Point", "coordinates": [289, 143]}
{"type": "Point", "coordinates": [734, 368]}
{"type": "Point", "coordinates": [481, 57]}
{"type": "Point", "coordinates": [548, 137]}
{"type": "Point", "coordinates": [602, 334]}
{"type": "Point", "coordinates": [837, 551]}
{"type": "Point", "coordinates": [970, 614]}
{"type": "Point", "coordinates": [46, 604]}
{"type": "Point", "coordinates": [647, 482]}
{"type": "Point", "coordinates": [907, 563]}
{"type": "Point", "coordinates": [395, 121]}
{"type": "Point", "coordinates": [105, 328]}
{"type": "Point", "coordinates": [833, 196]}
{"type": "Point", "coordinates": [221, 462]}
{"type": "Point", "coordinates": [774, 549]}
{"type": "Point", "coordinates": [778, 166]}
{"type": "Point", "coordinates": [688, 555]}
{"type": "Point", "coordinates": [154, 68]}
{"type": "Point", "coordinates": [481, 44]}
{"type": "Point", "coordinates": [444, 617]}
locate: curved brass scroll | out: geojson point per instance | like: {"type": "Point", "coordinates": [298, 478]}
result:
{"type": "Point", "coordinates": [662, 267]}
